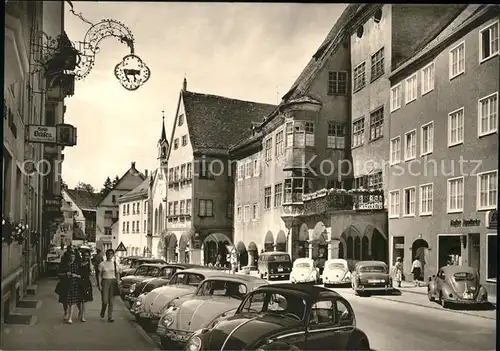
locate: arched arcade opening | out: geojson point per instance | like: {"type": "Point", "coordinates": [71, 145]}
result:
{"type": "Point", "coordinates": [319, 244]}
{"type": "Point", "coordinates": [170, 246]}
{"type": "Point", "coordinates": [281, 241]}
{"type": "Point", "coordinates": [184, 248]}
{"type": "Point", "coordinates": [242, 253]}
{"type": "Point", "coordinates": [215, 249]}
{"type": "Point", "coordinates": [269, 242]}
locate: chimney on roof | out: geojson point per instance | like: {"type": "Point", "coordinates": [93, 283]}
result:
{"type": "Point", "coordinates": [132, 164]}
{"type": "Point", "coordinates": [146, 173]}
{"type": "Point", "coordinates": [184, 84]}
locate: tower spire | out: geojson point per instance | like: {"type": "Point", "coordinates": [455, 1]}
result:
{"type": "Point", "coordinates": [163, 132]}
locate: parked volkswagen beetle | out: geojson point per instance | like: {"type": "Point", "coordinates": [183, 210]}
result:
{"type": "Point", "coordinates": [285, 317]}
{"type": "Point", "coordinates": [305, 271]}
{"type": "Point", "coordinates": [216, 298]}
{"type": "Point", "coordinates": [336, 272]}
{"type": "Point", "coordinates": [456, 285]}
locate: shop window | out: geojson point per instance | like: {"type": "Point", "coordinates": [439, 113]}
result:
{"type": "Point", "coordinates": [491, 264]}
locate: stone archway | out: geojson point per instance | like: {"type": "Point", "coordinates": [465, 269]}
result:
{"type": "Point", "coordinates": [379, 248]}
{"type": "Point", "coordinates": [215, 248]}
{"type": "Point", "coordinates": [184, 247]}
{"type": "Point", "coordinates": [341, 250]}
{"type": "Point", "coordinates": [350, 248]}
{"type": "Point", "coordinates": [281, 241]}
{"type": "Point", "coordinates": [302, 247]}
{"type": "Point", "coordinates": [357, 248]}
{"type": "Point", "coordinates": [253, 254]}
{"type": "Point", "coordinates": [171, 245]}
{"type": "Point", "coordinates": [365, 247]}
{"type": "Point", "coordinates": [420, 250]}
{"type": "Point", "coordinates": [319, 244]}
{"type": "Point", "coordinates": [160, 249]}
{"type": "Point", "coordinates": [242, 253]}
{"type": "Point", "coordinates": [269, 242]}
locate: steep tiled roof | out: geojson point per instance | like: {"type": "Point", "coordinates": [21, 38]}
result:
{"type": "Point", "coordinates": [459, 20]}
{"type": "Point", "coordinates": [217, 122]}
{"type": "Point", "coordinates": [140, 190]}
{"type": "Point", "coordinates": [85, 200]}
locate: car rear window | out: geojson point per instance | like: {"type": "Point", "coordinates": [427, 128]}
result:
{"type": "Point", "coordinates": [373, 269]}
{"type": "Point", "coordinates": [279, 258]}
{"type": "Point", "coordinates": [336, 265]}
{"type": "Point", "coordinates": [463, 276]}
{"type": "Point", "coordinates": [303, 265]}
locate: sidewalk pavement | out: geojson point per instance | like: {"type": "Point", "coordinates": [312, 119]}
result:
{"type": "Point", "coordinates": [50, 333]}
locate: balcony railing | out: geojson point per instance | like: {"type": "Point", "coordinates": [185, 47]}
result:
{"type": "Point", "coordinates": [343, 200]}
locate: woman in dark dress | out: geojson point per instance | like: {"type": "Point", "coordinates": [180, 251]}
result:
{"type": "Point", "coordinates": [85, 283]}
{"type": "Point", "coordinates": [70, 291]}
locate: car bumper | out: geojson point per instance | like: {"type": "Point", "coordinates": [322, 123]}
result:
{"type": "Point", "coordinates": [466, 301]}
{"type": "Point", "coordinates": [152, 317]}
{"type": "Point", "coordinates": [336, 282]}
{"type": "Point", "coordinates": [279, 276]}
{"type": "Point", "coordinates": [374, 288]}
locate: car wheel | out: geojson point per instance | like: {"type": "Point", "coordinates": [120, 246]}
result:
{"type": "Point", "coordinates": [360, 345]}
{"type": "Point", "coordinates": [444, 303]}
{"type": "Point", "coordinates": [429, 295]}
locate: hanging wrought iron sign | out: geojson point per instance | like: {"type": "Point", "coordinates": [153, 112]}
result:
{"type": "Point", "coordinates": [59, 56]}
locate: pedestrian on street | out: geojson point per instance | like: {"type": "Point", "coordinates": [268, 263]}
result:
{"type": "Point", "coordinates": [398, 271]}
{"type": "Point", "coordinates": [416, 270]}
{"type": "Point", "coordinates": [96, 261]}
{"type": "Point", "coordinates": [108, 284]}
{"type": "Point", "coordinates": [69, 289]}
{"type": "Point", "coordinates": [85, 283]}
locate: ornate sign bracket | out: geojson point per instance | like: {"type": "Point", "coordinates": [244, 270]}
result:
{"type": "Point", "coordinates": [61, 56]}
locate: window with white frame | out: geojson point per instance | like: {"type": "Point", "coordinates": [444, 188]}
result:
{"type": "Point", "coordinates": [488, 41]}
{"type": "Point", "coordinates": [303, 133]}
{"type": "Point", "coordinates": [428, 78]}
{"type": "Point", "coordinates": [267, 197]}
{"type": "Point", "coordinates": [426, 199]}
{"type": "Point", "coordinates": [188, 209]}
{"type": "Point", "coordinates": [255, 212]}
{"type": "Point", "coordinates": [411, 88]}
{"type": "Point", "coordinates": [488, 114]}
{"type": "Point", "coordinates": [289, 134]}
{"type": "Point", "coordinates": [268, 144]}
{"type": "Point", "coordinates": [278, 194]}
{"type": "Point", "coordinates": [455, 194]}
{"type": "Point", "coordinates": [395, 97]}
{"type": "Point", "coordinates": [256, 167]}
{"type": "Point", "coordinates": [377, 61]}
{"type": "Point", "coordinates": [394, 204]}
{"type": "Point", "coordinates": [279, 144]}
{"type": "Point", "coordinates": [238, 214]}
{"type": "Point", "coordinates": [487, 190]}
{"type": "Point", "coordinates": [248, 169]}
{"type": "Point", "coordinates": [457, 60]}
{"type": "Point", "coordinates": [395, 150]}
{"type": "Point", "coordinates": [358, 132]}
{"type": "Point", "coordinates": [358, 77]}
{"type": "Point", "coordinates": [377, 124]}
{"type": "Point", "coordinates": [410, 145]}
{"type": "Point", "coordinates": [409, 201]}
{"type": "Point", "coordinates": [491, 257]}
{"type": "Point", "coordinates": [206, 208]}
{"type": "Point", "coordinates": [241, 171]}
{"type": "Point", "coordinates": [336, 136]}
{"type": "Point", "coordinates": [456, 127]}
{"type": "Point", "coordinates": [246, 213]}
{"type": "Point", "coordinates": [181, 207]}
{"type": "Point", "coordinates": [427, 142]}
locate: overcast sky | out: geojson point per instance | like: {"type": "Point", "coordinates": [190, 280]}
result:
{"type": "Point", "coordinates": [239, 50]}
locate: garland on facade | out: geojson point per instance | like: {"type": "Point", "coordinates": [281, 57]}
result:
{"type": "Point", "coordinates": [13, 231]}
{"type": "Point", "coordinates": [332, 191]}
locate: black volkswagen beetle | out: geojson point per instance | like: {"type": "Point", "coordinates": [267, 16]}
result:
{"type": "Point", "coordinates": [285, 317]}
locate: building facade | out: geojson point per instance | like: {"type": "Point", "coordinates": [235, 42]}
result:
{"type": "Point", "coordinates": [30, 191]}
{"type": "Point", "coordinates": [108, 207]}
{"type": "Point", "coordinates": [200, 176]}
{"type": "Point", "coordinates": [83, 205]}
{"type": "Point", "coordinates": [444, 140]}
{"type": "Point", "coordinates": [133, 221]}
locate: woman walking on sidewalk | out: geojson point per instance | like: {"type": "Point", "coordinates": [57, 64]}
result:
{"type": "Point", "coordinates": [416, 270]}
{"type": "Point", "coordinates": [85, 283]}
{"type": "Point", "coordinates": [69, 287]}
{"type": "Point", "coordinates": [398, 272]}
{"type": "Point", "coordinates": [108, 284]}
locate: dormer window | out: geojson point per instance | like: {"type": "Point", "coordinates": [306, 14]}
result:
{"type": "Point", "coordinates": [176, 143]}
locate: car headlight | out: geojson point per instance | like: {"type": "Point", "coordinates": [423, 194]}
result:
{"type": "Point", "coordinates": [194, 344]}
{"type": "Point", "coordinates": [132, 288]}
{"type": "Point", "coordinates": [167, 321]}
{"type": "Point", "coordinates": [138, 303]}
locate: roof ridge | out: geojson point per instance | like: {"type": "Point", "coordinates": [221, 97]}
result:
{"type": "Point", "coordinates": [228, 98]}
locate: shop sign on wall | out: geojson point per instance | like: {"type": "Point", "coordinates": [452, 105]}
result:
{"type": "Point", "coordinates": [465, 222]}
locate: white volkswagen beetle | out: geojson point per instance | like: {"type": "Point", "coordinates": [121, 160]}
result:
{"type": "Point", "coordinates": [305, 271]}
{"type": "Point", "coordinates": [336, 271]}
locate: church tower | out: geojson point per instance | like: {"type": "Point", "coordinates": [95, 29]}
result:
{"type": "Point", "coordinates": [163, 144]}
